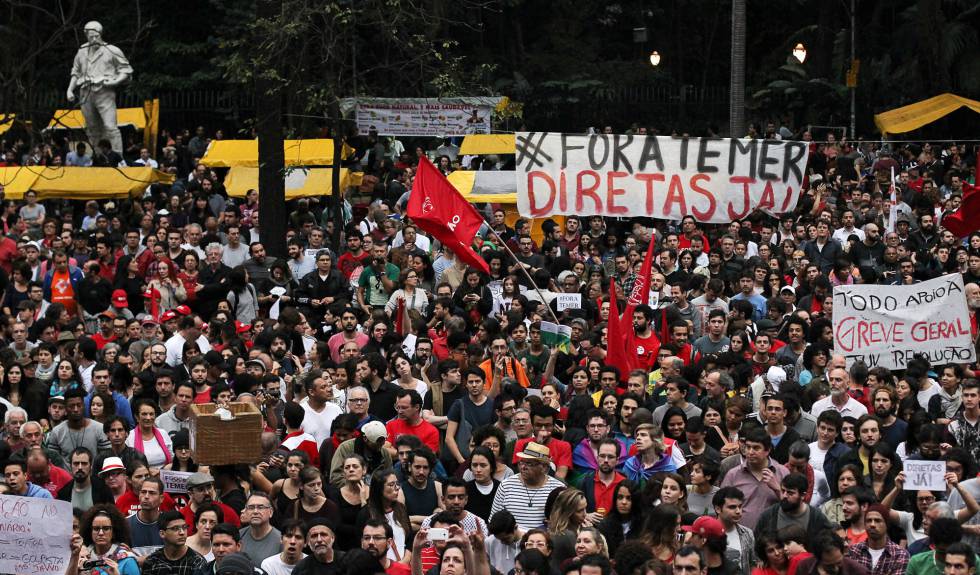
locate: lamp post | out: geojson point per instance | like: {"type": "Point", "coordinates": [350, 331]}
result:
{"type": "Point", "coordinates": [655, 58]}
{"type": "Point", "coordinates": [799, 52]}
{"type": "Point", "coordinates": [736, 97]}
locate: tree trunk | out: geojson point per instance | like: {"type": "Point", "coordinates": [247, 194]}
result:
{"type": "Point", "coordinates": [736, 101]}
{"type": "Point", "coordinates": [268, 128]}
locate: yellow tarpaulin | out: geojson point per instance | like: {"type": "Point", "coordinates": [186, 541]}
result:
{"type": "Point", "coordinates": [490, 187]}
{"type": "Point", "coordinates": [74, 120]}
{"type": "Point", "coordinates": [6, 121]}
{"type": "Point", "coordinates": [908, 118]}
{"type": "Point", "coordinates": [478, 144]}
{"type": "Point", "coordinates": [300, 183]}
{"type": "Point", "coordinates": [79, 183]}
{"type": "Point", "coordinates": [245, 153]}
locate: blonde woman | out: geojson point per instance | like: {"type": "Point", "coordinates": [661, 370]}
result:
{"type": "Point", "coordinates": [568, 515]}
{"type": "Point", "coordinates": [653, 455]}
{"type": "Point", "coordinates": [589, 541]}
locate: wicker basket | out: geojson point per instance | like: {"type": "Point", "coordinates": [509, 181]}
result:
{"type": "Point", "coordinates": [217, 442]}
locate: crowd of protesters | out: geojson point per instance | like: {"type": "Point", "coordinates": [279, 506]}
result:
{"type": "Point", "coordinates": [415, 420]}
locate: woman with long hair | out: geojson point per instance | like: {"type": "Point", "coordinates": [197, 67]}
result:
{"type": "Point", "coordinates": [183, 458]}
{"type": "Point", "coordinates": [101, 407]}
{"type": "Point", "coordinates": [667, 488]}
{"type": "Point", "coordinates": [568, 515]}
{"type": "Point", "coordinates": [312, 503]}
{"type": "Point", "coordinates": [772, 555]}
{"type": "Point", "coordinates": [652, 454]}
{"type": "Point", "coordinates": [66, 377]}
{"type": "Point", "coordinates": [660, 532]}
{"type": "Point", "coordinates": [146, 438]}
{"type": "Point", "coordinates": [847, 476]}
{"type": "Point", "coordinates": [408, 293]}
{"type": "Point", "coordinates": [205, 519]}
{"type": "Point", "coordinates": [580, 384]}
{"type": "Point", "coordinates": [422, 265]}
{"type": "Point", "coordinates": [815, 360]}
{"type": "Point", "coordinates": [625, 519]}
{"type": "Point", "coordinates": [18, 290]}
{"type": "Point", "coordinates": [163, 288]}
{"type": "Point", "coordinates": [481, 484]}
{"type": "Point", "coordinates": [404, 373]}
{"type": "Point", "coordinates": [22, 392]}
{"type": "Point", "coordinates": [508, 291]}
{"type": "Point", "coordinates": [884, 467]}
{"type": "Point", "coordinates": [188, 276]}
{"type": "Point", "coordinates": [473, 297]}
{"type": "Point", "coordinates": [130, 280]}
{"type": "Point", "coordinates": [384, 505]}
{"type": "Point", "coordinates": [242, 296]}
{"type": "Point", "coordinates": [494, 439]}
{"type": "Point", "coordinates": [105, 533]}
{"type": "Point", "coordinates": [674, 424]}
{"type": "Point", "coordinates": [353, 496]}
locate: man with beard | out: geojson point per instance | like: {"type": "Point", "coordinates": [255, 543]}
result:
{"type": "Point", "coordinates": [419, 489]}
{"type": "Point", "coordinates": [148, 336]}
{"type": "Point", "coordinates": [965, 427]}
{"type": "Point", "coordinates": [349, 333]}
{"type": "Point", "coordinates": [200, 488]}
{"type": "Point", "coordinates": [355, 255]}
{"type": "Point", "coordinates": [84, 490]}
{"type": "Point", "coordinates": [526, 493]}
{"type": "Point", "coordinates": [972, 292]}
{"type": "Point", "coordinates": [292, 541]}
{"type": "Point", "coordinates": [323, 559]}
{"type": "Point", "coordinates": [644, 342]}
{"type": "Point", "coordinates": [878, 554]}
{"type": "Point", "coordinates": [925, 237]}
{"type": "Point", "coordinates": [869, 252]}
{"type": "Point", "coordinates": [885, 403]}
{"type": "Point", "coordinates": [320, 411]}
{"type": "Point", "coordinates": [585, 456]}
{"type": "Point", "coordinates": [791, 510]}
{"type": "Point", "coordinates": [370, 371]}
{"type": "Point", "coordinates": [854, 504]}
{"type": "Point", "coordinates": [600, 485]}
{"type": "Point", "coordinates": [839, 399]}
{"type": "Point", "coordinates": [376, 539]}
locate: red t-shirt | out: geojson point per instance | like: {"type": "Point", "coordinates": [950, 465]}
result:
{"type": "Point", "coordinates": [398, 568]}
{"type": "Point", "coordinates": [100, 340]}
{"type": "Point", "coordinates": [129, 503]}
{"type": "Point", "coordinates": [348, 262]}
{"type": "Point", "coordinates": [203, 397]}
{"type": "Point", "coordinates": [57, 478]}
{"type": "Point", "coordinates": [424, 431]}
{"type": "Point", "coordinates": [645, 349]}
{"type": "Point", "coordinates": [561, 451]}
{"type": "Point", "coordinates": [230, 516]}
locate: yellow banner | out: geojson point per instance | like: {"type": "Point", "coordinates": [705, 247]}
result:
{"type": "Point", "coordinates": [913, 116]}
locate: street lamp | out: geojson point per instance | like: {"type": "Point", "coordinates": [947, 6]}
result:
{"type": "Point", "coordinates": [799, 52]}
{"type": "Point", "coordinates": [655, 58]}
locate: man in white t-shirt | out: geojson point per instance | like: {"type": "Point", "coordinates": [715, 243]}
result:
{"type": "Point", "coordinates": [188, 332]}
{"type": "Point", "coordinates": [320, 411]}
{"type": "Point", "coordinates": [293, 540]}
{"type": "Point", "coordinates": [839, 399]}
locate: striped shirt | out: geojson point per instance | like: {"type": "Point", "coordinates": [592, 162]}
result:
{"type": "Point", "coordinates": [525, 503]}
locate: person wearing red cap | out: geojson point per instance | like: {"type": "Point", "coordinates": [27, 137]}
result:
{"type": "Point", "coordinates": [119, 304]}
{"type": "Point", "coordinates": [708, 535]}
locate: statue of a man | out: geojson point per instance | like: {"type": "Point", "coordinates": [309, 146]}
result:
{"type": "Point", "coordinates": [98, 69]}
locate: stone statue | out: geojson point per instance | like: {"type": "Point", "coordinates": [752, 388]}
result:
{"type": "Point", "coordinates": [96, 72]}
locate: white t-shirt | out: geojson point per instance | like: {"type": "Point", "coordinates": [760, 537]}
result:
{"type": "Point", "coordinates": [275, 566]}
{"type": "Point", "coordinates": [923, 397]}
{"type": "Point", "coordinates": [317, 423]}
{"type": "Point", "coordinates": [817, 455]}
{"type": "Point", "coordinates": [175, 348]}
{"type": "Point", "coordinates": [875, 555]}
{"type": "Point", "coordinates": [151, 449]}
{"type": "Point", "coordinates": [398, 538]}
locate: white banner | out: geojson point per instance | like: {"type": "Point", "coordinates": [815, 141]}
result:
{"type": "Point", "coordinates": [715, 180]}
{"type": "Point", "coordinates": [886, 325]}
{"type": "Point", "coordinates": [423, 116]}
{"type": "Point", "coordinates": [35, 535]}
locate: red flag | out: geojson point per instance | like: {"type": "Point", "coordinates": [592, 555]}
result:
{"type": "Point", "coordinates": [400, 316]}
{"type": "Point", "coordinates": [439, 209]}
{"type": "Point", "coordinates": [967, 218]}
{"type": "Point", "coordinates": [617, 339]}
{"type": "Point", "coordinates": [641, 287]}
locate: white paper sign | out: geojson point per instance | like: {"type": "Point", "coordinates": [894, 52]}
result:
{"type": "Point", "coordinates": [716, 180]}
{"type": "Point", "coordinates": [569, 301]}
{"type": "Point", "coordinates": [408, 344]}
{"type": "Point", "coordinates": [34, 535]}
{"type": "Point", "coordinates": [424, 116]}
{"type": "Point", "coordinates": [174, 481]}
{"type": "Point", "coordinates": [884, 326]}
{"type": "Point", "coordinates": [924, 475]}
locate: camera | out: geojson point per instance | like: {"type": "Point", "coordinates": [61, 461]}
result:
{"type": "Point", "coordinates": [438, 534]}
{"type": "Point", "coordinates": [94, 564]}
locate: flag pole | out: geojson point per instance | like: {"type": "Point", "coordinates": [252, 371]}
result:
{"type": "Point", "coordinates": [501, 241]}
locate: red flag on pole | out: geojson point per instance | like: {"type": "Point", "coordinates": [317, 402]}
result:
{"type": "Point", "coordinates": [617, 338]}
{"type": "Point", "coordinates": [967, 218]}
{"type": "Point", "coordinates": [439, 209]}
{"type": "Point", "coordinates": [641, 287]}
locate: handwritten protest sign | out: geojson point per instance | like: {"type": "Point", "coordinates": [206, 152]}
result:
{"type": "Point", "coordinates": [926, 475]}
{"type": "Point", "coordinates": [569, 301]}
{"type": "Point", "coordinates": [174, 481]}
{"type": "Point", "coordinates": [34, 535]}
{"type": "Point", "coordinates": [715, 180]}
{"type": "Point", "coordinates": [886, 325]}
